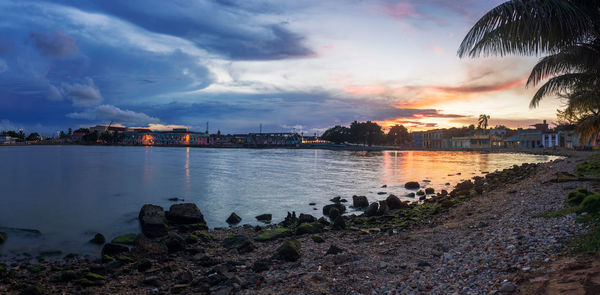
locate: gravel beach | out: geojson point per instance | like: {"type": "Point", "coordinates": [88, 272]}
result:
{"type": "Point", "coordinates": [489, 243]}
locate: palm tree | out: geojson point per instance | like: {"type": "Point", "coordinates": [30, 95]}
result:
{"type": "Point", "coordinates": [483, 121]}
{"type": "Point", "coordinates": [567, 30]}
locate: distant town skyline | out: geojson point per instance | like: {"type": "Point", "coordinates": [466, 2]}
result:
{"type": "Point", "coordinates": [287, 65]}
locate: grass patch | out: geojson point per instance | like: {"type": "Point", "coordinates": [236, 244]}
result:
{"type": "Point", "coordinates": [591, 167]}
{"type": "Point", "coordinates": [558, 213]}
{"type": "Point", "coordinates": [588, 242]}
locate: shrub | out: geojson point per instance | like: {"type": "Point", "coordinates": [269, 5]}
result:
{"type": "Point", "coordinates": [575, 197]}
{"type": "Point", "coordinates": [591, 204]}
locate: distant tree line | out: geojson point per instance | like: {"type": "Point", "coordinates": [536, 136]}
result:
{"type": "Point", "coordinates": [20, 136]}
{"type": "Point", "coordinates": [367, 133]}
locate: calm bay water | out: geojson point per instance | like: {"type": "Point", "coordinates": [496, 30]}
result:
{"type": "Point", "coordinates": [71, 192]}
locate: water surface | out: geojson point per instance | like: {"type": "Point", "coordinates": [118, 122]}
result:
{"type": "Point", "coordinates": [71, 192]}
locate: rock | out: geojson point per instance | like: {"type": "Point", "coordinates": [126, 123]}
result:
{"type": "Point", "coordinates": [186, 213]}
{"type": "Point", "coordinates": [290, 220]}
{"type": "Point", "coordinates": [289, 250]}
{"type": "Point", "coordinates": [126, 239]}
{"type": "Point", "coordinates": [340, 207]}
{"type": "Point", "coordinates": [111, 249]}
{"type": "Point", "coordinates": [372, 210]}
{"type": "Point", "coordinates": [153, 221]}
{"type": "Point", "coordinates": [145, 247]}
{"type": "Point", "coordinates": [384, 186]}
{"type": "Point", "coordinates": [360, 202]}
{"type": "Point", "coordinates": [309, 228]}
{"type": "Point", "coordinates": [98, 239]}
{"type": "Point", "coordinates": [143, 265]}
{"type": "Point", "coordinates": [333, 250]}
{"type": "Point", "coordinates": [411, 195]}
{"type": "Point", "coordinates": [383, 208]}
{"type": "Point", "coordinates": [233, 219]}
{"type": "Point", "coordinates": [3, 237]}
{"type": "Point", "coordinates": [324, 221]}
{"type": "Point", "coordinates": [508, 287]}
{"type": "Point", "coordinates": [240, 242]}
{"type": "Point", "coordinates": [429, 190]}
{"type": "Point", "coordinates": [175, 199]}
{"type": "Point", "coordinates": [394, 202]}
{"type": "Point", "coordinates": [317, 239]}
{"type": "Point", "coordinates": [274, 234]}
{"type": "Point", "coordinates": [337, 199]}
{"type": "Point", "coordinates": [306, 218]}
{"type": "Point", "coordinates": [412, 185]}
{"type": "Point", "coordinates": [420, 193]}
{"type": "Point", "coordinates": [261, 265]}
{"type": "Point", "coordinates": [334, 213]}
{"type": "Point", "coordinates": [184, 277]}
{"type": "Point", "coordinates": [174, 242]}
{"type": "Point", "coordinates": [339, 223]}
{"type": "Point", "coordinates": [444, 193]}
{"type": "Point", "coordinates": [312, 203]}
{"type": "Point", "coordinates": [381, 193]}
{"type": "Point", "coordinates": [266, 218]}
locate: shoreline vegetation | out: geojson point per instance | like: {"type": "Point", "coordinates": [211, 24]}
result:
{"type": "Point", "coordinates": [521, 228]}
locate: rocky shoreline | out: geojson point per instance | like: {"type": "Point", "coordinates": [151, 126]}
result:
{"type": "Point", "coordinates": [480, 238]}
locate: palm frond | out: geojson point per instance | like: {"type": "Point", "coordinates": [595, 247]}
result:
{"type": "Point", "coordinates": [527, 27]}
{"type": "Point", "coordinates": [563, 83]}
{"type": "Point", "coordinates": [578, 58]}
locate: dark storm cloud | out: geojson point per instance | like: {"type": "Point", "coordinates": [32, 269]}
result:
{"type": "Point", "coordinates": [219, 27]}
{"type": "Point", "coordinates": [55, 43]}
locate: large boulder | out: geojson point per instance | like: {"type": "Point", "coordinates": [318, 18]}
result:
{"type": "Point", "coordinates": [240, 242]}
{"type": "Point", "coordinates": [383, 208]}
{"type": "Point", "coordinates": [412, 185]}
{"type": "Point", "coordinates": [289, 251]}
{"type": "Point", "coordinates": [186, 213]}
{"type": "Point", "coordinates": [394, 202]}
{"type": "Point", "coordinates": [372, 209]}
{"type": "Point", "coordinates": [233, 219]}
{"type": "Point", "coordinates": [153, 221]}
{"type": "Point", "coordinates": [339, 206]}
{"type": "Point", "coordinates": [360, 202]}
{"type": "Point", "coordinates": [306, 218]}
{"type": "Point", "coordinates": [264, 217]}
{"type": "Point", "coordinates": [145, 247]}
{"type": "Point", "coordinates": [309, 228]}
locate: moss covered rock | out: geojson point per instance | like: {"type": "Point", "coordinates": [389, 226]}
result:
{"type": "Point", "coordinates": [3, 237]}
{"type": "Point", "coordinates": [317, 239]}
{"type": "Point", "coordinates": [274, 234]}
{"type": "Point", "coordinates": [289, 250]}
{"type": "Point", "coordinates": [126, 239]}
{"type": "Point", "coordinates": [309, 228]}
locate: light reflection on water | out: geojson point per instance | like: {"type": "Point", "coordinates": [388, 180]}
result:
{"type": "Point", "coordinates": [70, 192]}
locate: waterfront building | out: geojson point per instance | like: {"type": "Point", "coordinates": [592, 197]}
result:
{"type": "Point", "coordinates": [5, 139]}
{"type": "Point", "coordinates": [530, 138]}
{"type": "Point", "coordinates": [432, 139]}
{"type": "Point", "coordinates": [481, 141]}
{"type": "Point", "coordinates": [417, 139]}
{"type": "Point", "coordinates": [176, 137]}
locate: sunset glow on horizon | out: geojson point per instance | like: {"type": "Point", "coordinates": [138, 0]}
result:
{"type": "Point", "coordinates": [285, 65]}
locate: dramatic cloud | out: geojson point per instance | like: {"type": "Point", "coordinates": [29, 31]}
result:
{"type": "Point", "coordinates": [237, 32]}
{"type": "Point", "coordinates": [55, 43]}
{"type": "Point", "coordinates": [110, 113]}
{"type": "Point", "coordinates": [82, 94]}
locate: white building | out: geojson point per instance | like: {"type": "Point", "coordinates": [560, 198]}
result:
{"type": "Point", "coordinates": [5, 139]}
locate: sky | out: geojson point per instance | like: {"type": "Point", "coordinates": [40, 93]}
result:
{"type": "Point", "coordinates": [289, 65]}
